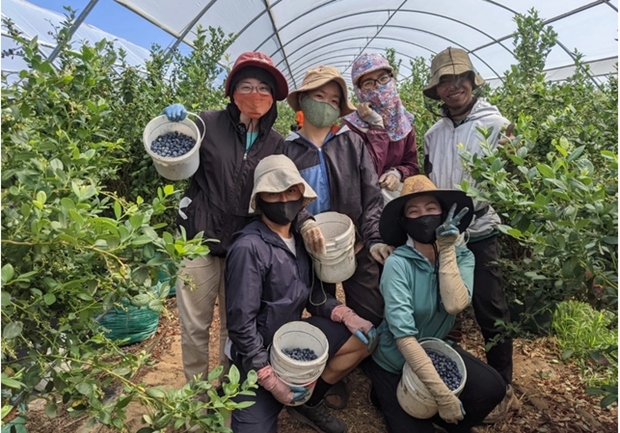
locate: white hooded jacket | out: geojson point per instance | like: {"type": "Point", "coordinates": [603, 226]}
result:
{"type": "Point", "coordinates": [445, 167]}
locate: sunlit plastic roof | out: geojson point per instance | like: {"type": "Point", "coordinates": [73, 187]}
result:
{"type": "Point", "coordinates": [300, 34]}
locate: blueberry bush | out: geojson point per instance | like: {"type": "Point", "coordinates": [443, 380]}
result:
{"type": "Point", "coordinates": [86, 225]}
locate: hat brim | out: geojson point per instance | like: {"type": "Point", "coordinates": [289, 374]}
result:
{"type": "Point", "coordinates": [281, 84]}
{"type": "Point", "coordinates": [278, 180]}
{"type": "Point", "coordinates": [391, 229]}
{"type": "Point", "coordinates": [430, 91]}
{"type": "Point", "coordinates": [346, 107]}
{"type": "Point", "coordinates": [357, 78]}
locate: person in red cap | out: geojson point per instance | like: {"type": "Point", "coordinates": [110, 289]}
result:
{"type": "Point", "coordinates": [215, 202]}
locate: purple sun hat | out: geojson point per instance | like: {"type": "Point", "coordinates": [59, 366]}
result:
{"type": "Point", "coordinates": [368, 62]}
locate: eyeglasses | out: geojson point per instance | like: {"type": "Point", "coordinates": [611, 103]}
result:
{"type": "Point", "coordinates": [453, 80]}
{"type": "Point", "coordinates": [371, 83]}
{"type": "Point", "coordinates": [246, 89]}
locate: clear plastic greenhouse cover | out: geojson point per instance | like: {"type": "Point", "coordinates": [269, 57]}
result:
{"type": "Point", "coordinates": [33, 21]}
{"type": "Point", "coordinates": [300, 34]}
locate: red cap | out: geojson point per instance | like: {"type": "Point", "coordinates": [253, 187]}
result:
{"type": "Point", "coordinates": [263, 61]}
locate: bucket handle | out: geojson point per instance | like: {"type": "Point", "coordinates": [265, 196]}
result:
{"type": "Point", "coordinates": [200, 138]}
{"type": "Point", "coordinates": [204, 127]}
{"type": "Point", "coordinates": [312, 289]}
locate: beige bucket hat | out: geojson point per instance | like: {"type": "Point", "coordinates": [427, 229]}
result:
{"type": "Point", "coordinates": [277, 173]}
{"type": "Point", "coordinates": [451, 61]}
{"type": "Point", "coordinates": [315, 78]}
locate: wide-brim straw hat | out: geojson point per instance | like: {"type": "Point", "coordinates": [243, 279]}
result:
{"type": "Point", "coordinates": [390, 225]}
{"type": "Point", "coordinates": [317, 77]}
{"type": "Point", "coordinates": [451, 61]}
{"type": "Point", "coordinates": [277, 173]}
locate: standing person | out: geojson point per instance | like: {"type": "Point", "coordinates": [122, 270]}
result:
{"type": "Point", "coordinates": [339, 168]}
{"type": "Point", "coordinates": [215, 202]}
{"type": "Point", "coordinates": [383, 123]}
{"type": "Point", "coordinates": [453, 81]}
{"type": "Point", "coordinates": [268, 284]}
{"type": "Point", "coordinates": [425, 283]}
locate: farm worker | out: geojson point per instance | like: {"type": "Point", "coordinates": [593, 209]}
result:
{"type": "Point", "coordinates": [268, 284]}
{"type": "Point", "coordinates": [339, 168]}
{"type": "Point", "coordinates": [425, 283]}
{"type": "Point", "coordinates": [383, 123]}
{"type": "Point", "coordinates": [454, 82]}
{"type": "Point", "coordinates": [215, 202]}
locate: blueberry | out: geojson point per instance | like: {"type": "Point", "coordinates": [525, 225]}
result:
{"type": "Point", "coordinates": [172, 144]}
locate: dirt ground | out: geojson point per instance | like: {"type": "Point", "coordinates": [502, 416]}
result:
{"type": "Point", "coordinates": [551, 392]}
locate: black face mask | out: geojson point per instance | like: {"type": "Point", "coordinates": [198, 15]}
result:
{"type": "Point", "coordinates": [280, 212]}
{"type": "Point", "coordinates": [422, 229]}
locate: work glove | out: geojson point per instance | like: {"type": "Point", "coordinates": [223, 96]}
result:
{"type": "Point", "coordinates": [175, 112]}
{"type": "Point", "coordinates": [390, 180]}
{"type": "Point", "coordinates": [313, 237]}
{"type": "Point", "coordinates": [285, 394]}
{"type": "Point", "coordinates": [454, 294]}
{"type": "Point", "coordinates": [449, 406]}
{"type": "Point", "coordinates": [380, 252]}
{"type": "Point", "coordinates": [369, 115]}
{"type": "Point", "coordinates": [361, 328]}
{"type": "Point", "coordinates": [448, 232]}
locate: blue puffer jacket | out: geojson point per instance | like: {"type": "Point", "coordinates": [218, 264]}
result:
{"type": "Point", "coordinates": [266, 287]}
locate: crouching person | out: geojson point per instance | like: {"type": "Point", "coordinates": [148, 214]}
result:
{"type": "Point", "coordinates": [425, 283]}
{"type": "Point", "coordinates": [268, 284]}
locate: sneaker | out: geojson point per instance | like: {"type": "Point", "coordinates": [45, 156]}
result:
{"type": "Point", "coordinates": [318, 417]}
{"type": "Point", "coordinates": [502, 411]}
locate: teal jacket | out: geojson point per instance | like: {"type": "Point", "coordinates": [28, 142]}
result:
{"type": "Point", "coordinates": [412, 304]}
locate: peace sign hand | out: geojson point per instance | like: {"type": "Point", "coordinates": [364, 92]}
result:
{"type": "Point", "coordinates": [448, 232]}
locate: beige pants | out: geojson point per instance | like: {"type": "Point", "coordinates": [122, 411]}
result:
{"type": "Point", "coordinates": [200, 284]}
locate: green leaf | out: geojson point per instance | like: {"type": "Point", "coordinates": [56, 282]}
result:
{"type": "Point", "coordinates": [51, 409]}
{"type": "Point", "coordinates": [10, 382]}
{"type": "Point", "coordinates": [155, 393]}
{"type": "Point", "coordinates": [41, 197]}
{"type": "Point", "coordinates": [244, 404]}
{"type": "Point", "coordinates": [136, 221]}
{"type": "Point", "coordinates": [148, 429]}
{"type": "Point", "coordinates": [12, 330]}
{"type": "Point", "coordinates": [84, 296]}
{"type": "Point", "coordinates": [117, 210]}
{"type": "Point", "coordinates": [215, 373]}
{"type": "Point", "coordinates": [49, 298]}
{"type": "Point", "coordinates": [84, 388]}
{"type": "Point", "coordinates": [123, 401]}
{"type": "Point", "coordinates": [545, 170]}
{"type": "Point", "coordinates": [140, 300]}
{"type": "Point", "coordinates": [233, 375]}
{"type": "Point", "coordinates": [576, 153]}
{"type": "Point", "coordinates": [607, 400]}
{"type": "Point", "coordinates": [5, 299]}
{"type": "Point", "coordinates": [7, 273]}
{"type": "Point", "coordinates": [122, 371]}
{"type": "Point", "coordinates": [168, 190]}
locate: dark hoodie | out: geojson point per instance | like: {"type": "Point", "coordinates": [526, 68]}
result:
{"type": "Point", "coordinates": [266, 287]}
{"type": "Point", "coordinates": [220, 190]}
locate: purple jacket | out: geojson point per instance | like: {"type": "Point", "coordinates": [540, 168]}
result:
{"type": "Point", "coordinates": [386, 155]}
{"type": "Point", "coordinates": [266, 287]}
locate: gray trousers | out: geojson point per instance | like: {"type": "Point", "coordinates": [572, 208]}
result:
{"type": "Point", "coordinates": [199, 285]}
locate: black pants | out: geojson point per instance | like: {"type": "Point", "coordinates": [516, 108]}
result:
{"type": "Point", "coordinates": [490, 304]}
{"type": "Point", "coordinates": [362, 289]}
{"type": "Point", "coordinates": [483, 390]}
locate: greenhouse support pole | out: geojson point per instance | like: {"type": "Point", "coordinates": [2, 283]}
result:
{"type": "Point", "coordinates": [78, 22]}
{"type": "Point", "coordinates": [187, 29]}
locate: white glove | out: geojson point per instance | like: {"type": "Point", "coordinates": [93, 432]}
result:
{"type": "Point", "coordinates": [313, 237]}
{"type": "Point", "coordinates": [380, 252]}
{"type": "Point", "coordinates": [368, 115]}
{"type": "Point", "coordinates": [389, 180]}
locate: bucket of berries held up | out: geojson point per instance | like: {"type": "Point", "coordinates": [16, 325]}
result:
{"type": "Point", "coordinates": [298, 355]}
{"type": "Point", "coordinates": [412, 394]}
{"type": "Point", "coordinates": [173, 146]}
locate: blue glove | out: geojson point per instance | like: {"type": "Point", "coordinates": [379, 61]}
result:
{"type": "Point", "coordinates": [448, 232]}
{"type": "Point", "coordinates": [175, 112]}
{"type": "Point", "coordinates": [300, 393]}
{"type": "Point", "coordinates": [370, 339]}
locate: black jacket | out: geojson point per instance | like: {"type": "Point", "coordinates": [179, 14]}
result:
{"type": "Point", "coordinates": [353, 182]}
{"type": "Point", "coordinates": [220, 190]}
{"type": "Point", "coordinates": [266, 287]}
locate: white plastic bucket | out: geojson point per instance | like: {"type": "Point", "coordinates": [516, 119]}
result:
{"type": "Point", "coordinates": [412, 394]}
{"type": "Point", "coordinates": [174, 168]}
{"type": "Point", "coordinates": [338, 263]}
{"type": "Point", "coordinates": [303, 335]}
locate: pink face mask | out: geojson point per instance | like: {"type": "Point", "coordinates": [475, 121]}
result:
{"type": "Point", "coordinates": [254, 105]}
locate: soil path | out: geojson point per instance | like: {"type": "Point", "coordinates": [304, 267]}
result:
{"type": "Point", "coordinates": [551, 392]}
